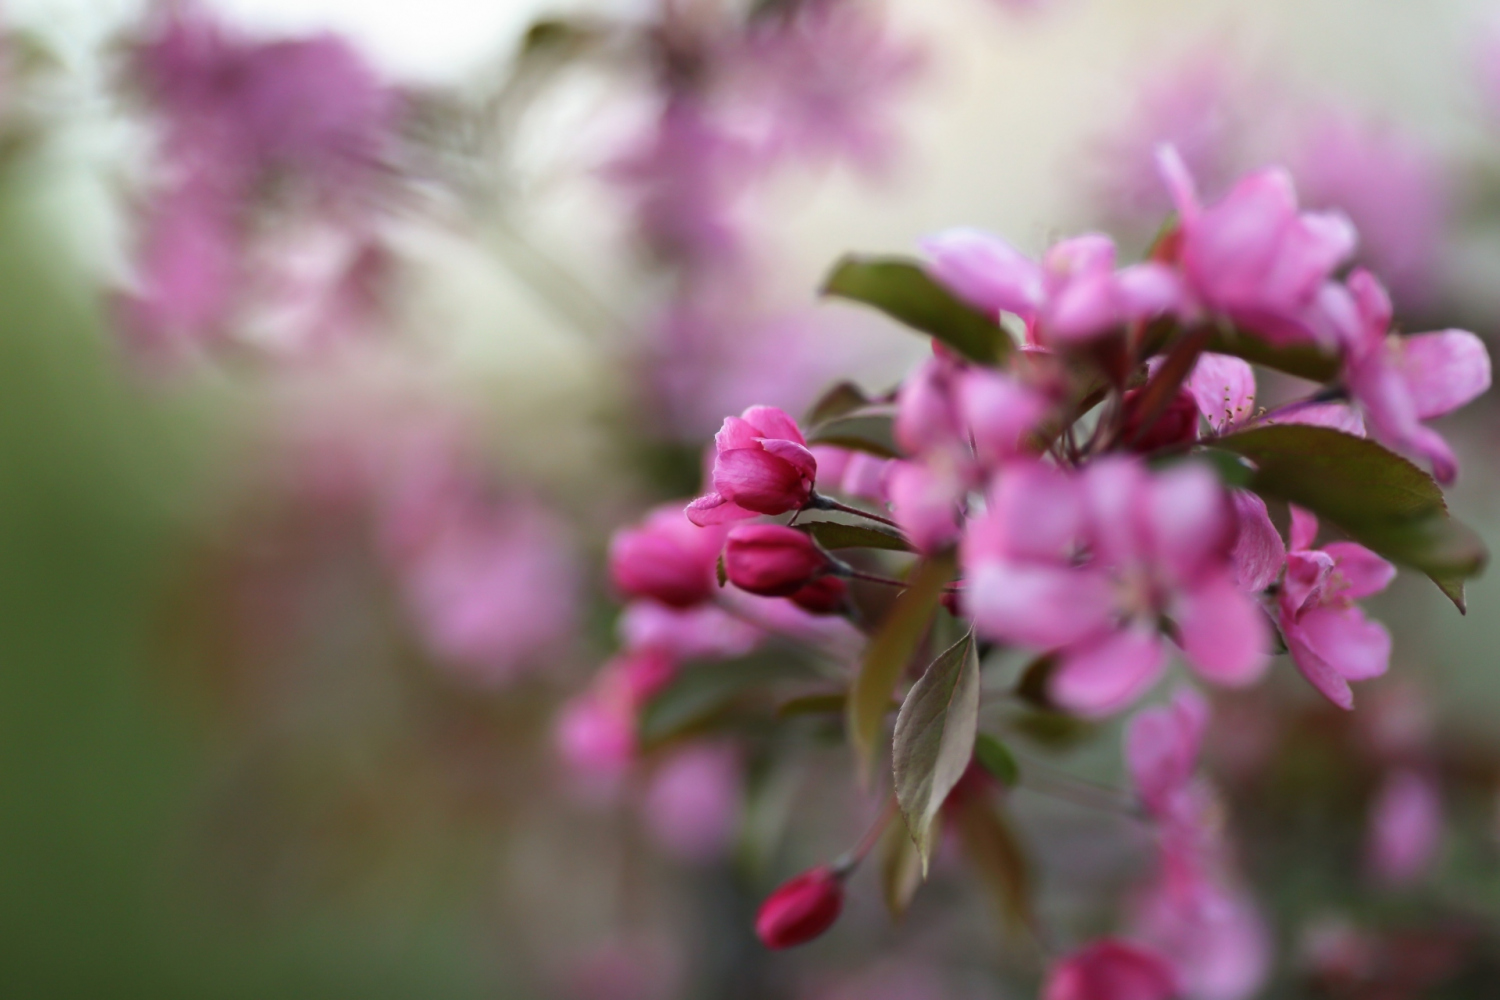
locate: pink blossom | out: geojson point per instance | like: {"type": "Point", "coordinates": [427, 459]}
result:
{"type": "Point", "coordinates": [1259, 553]}
{"type": "Point", "coordinates": [1397, 381]}
{"type": "Point", "coordinates": [1111, 970]}
{"type": "Point", "coordinates": [773, 560]}
{"type": "Point", "coordinates": [762, 466]}
{"type": "Point", "coordinates": [925, 499]}
{"type": "Point", "coordinates": [1392, 188]}
{"type": "Point", "coordinates": [1084, 565]}
{"type": "Point", "coordinates": [1161, 750]}
{"type": "Point", "coordinates": [821, 77]}
{"type": "Point", "coordinates": [1252, 256]}
{"type": "Point", "coordinates": [1406, 827]}
{"type": "Point", "coordinates": [1224, 389]}
{"type": "Point", "coordinates": [856, 474]}
{"type": "Point", "coordinates": [692, 804]}
{"type": "Point", "coordinates": [1216, 939]}
{"type": "Point", "coordinates": [596, 731]}
{"type": "Point", "coordinates": [1329, 637]}
{"type": "Point", "coordinates": [704, 632]}
{"type": "Point", "coordinates": [666, 558]}
{"type": "Point", "coordinates": [1075, 294]}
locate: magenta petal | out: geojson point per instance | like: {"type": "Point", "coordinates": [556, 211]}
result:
{"type": "Point", "coordinates": [1036, 512]}
{"type": "Point", "coordinates": [736, 433]}
{"type": "Point", "coordinates": [1224, 389]}
{"type": "Point", "coordinates": [759, 481]}
{"type": "Point", "coordinates": [1319, 674]}
{"type": "Point", "coordinates": [1192, 520]}
{"type": "Point", "coordinates": [1037, 605]}
{"type": "Point", "coordinates": [1348, 642]}
{"type": "Point", "coordinates": [1106, 675]}
{"type": "Point", "coordinates": [798, 456]}
{"type": "Point", "coordinates": [985, 271]}
{"type": "Point", "coordinates": [1362, 572]}
{"type": "Point", "coordinates": [1259, 552]}
{"type": "Point", "coordinates": [773, 422]}
{"type": "Point", "coordinates": [1224, 634]}
{"type": "Point", "coordinates": [1444, 370]}
{"type": "Point", "coordinates": [713, 508]}
{"type": "Point", "coordinates": [1304, 527]}
{"type": "Point", "coordinates": [1179, 182]}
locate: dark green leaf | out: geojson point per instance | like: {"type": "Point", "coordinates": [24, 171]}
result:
{"type": "Point", "coordinates": [900, 868]}
{"type": "Point", "coordinates": [995, 758]}
{"type": "Point", "coordinates": [704, 692]}
{"type": "Point", "coordinates": [992, 848]}
{"type": "Point", "coordinates": [843, 398]}
{"type": "Point", "coordinates": [901, 289]}
{"type": "Point", "coordinates": [1304, 361]}
{"type": "Point", "coordinates": [934, 739]}
{"type": "Point", "coordinates": [888, 652]}
{"type": "Point", "coordinates": [1372, 494]}
{"type": "Point", "coordinates": [1231, 469]}
{"type": "Point", "coordinates": [870, 432]}
{"type": "Point", "coordinates": [841, 535]}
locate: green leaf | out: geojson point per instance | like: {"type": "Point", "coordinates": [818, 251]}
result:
{"type": "Point", "coordinates": [1374, 495]}
{"type": "Point", "coordinates": [996, 758]}
{"type": "Point", "coordinates": [1303, 361]}
{"type": "Point", "coordinates": [841, 535]}
{"type": "Point", "coordinates": [1232, 469]}
{"type": "Point", "coordinates": [888, 652]}
{"type": "Point", "coordinates": [934, 739]}
{"type": "Point", "coordinates": [813, 704]}
{"type": "Point", "coordinates": [701, 695]}
{"type": "Point", "coordinates": [869, 432]}
{"type": "Point", "coordinates": [902, 289]}
{"type": "Point", "coordinates": [992, 848]}
{"type": "Point", "coordinates": [900, 869]}
{"type": "Point", "coordinates": [841, 399]}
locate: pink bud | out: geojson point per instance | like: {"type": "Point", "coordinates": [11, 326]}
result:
{"type": "Point", "coordinates": [1176, 424]}
{"type": "Point", "coordinates": [1111, 970]}
{"type": "Point", "coordinates": [825, 595]}
{"type": "Point", "coordinates": [666, 558]}
{"type": "Point", "coordinates": [801, 909]}
{"type": "Point", "coordinates": [772, 560]}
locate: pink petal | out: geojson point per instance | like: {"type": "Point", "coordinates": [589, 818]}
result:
{"type": "Point", "coordinates": [1319, 674]}
{"type": "Point", "coordinates": [1304, 528]}
{"type": "Point", "coordinates": [1105, 675]}
{"type": "Point", "coordinates": [1310, 251]}
{"type": "Point", "coordinates": [1224, 634]}
{"type": "Point", "coordinates": [773, 422]}
{"type": "Point", "coordinates": [1259, 552]}
{"type": "Point", "coordinates": [705, 632]}
{"type": "Point", "coordinates": [1192, 521]}
{"type": "Point", "coordinates": [1036, 512]}
{"type": "Point", "coordinates": [1117, 494]}
{"type": "Point", "coordinates": [1149, 289]}
{"type": "Point", "coordinates": [1161, 747]}
{"type": "Point", "coordinates": [985, 271]}
{"type": "Point", "coordinates": [1224, 389]}
{"type": "Point", "coordinates": [1000, 412]}
{"type": "Point", "coordinates": [1406, 827]}
{"type": "Point", "coordinates": [736, 433]}
{"type": "Point", "coordinates": [1083, 308]}
{"type": "Point", "coordinates": [1307, 572]}
{"type": "Point", "coordinates": [925, 416]}
{"type": "Point", "coordinates": [865, 477]}
{"type": "Point", "coordinates": [1037, 605]}
{"type": "Point", "coordinates": [925, 503]}
{"type": "Point", "coordinates": [1091, 254]}
{"type": "Point", "coordinates": [1179, 182]}
{"type": "Point", "coordinates": [1361, 572]}
{"type": "Point", "coordinates": [1444, 370]}
{"type": "Point", "coordinates": [759, 481]}
{"type": "Point", "coordinates": [1373, 304]}
{"type": "Point", "coordinates": [714, 508]}
{"type": "Point", "coordinates": [1348, 642]}
{"type": "Point", "coordinates": [798, 456]}
{"type": "Point", "coordinates": [1338, 416]}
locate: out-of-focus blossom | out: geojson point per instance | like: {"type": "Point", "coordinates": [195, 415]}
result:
{"type": "Point", "coordinates": [1159, 545]}
{"type": "Point", "coordinates": [1111, 970]}
{"type": "Point", "coordinates": [623, 968]}
{"type": "Point", "coordinates": [826, 595]}
{"type": "Point", "coordinates": [1391, 187]}
{"type": "Point", "coordinates": [704, 632]}
{"type": "Point", "coordinates": [835, 636]}
{"type": "Point", "coordinates": [1216, 939]}
{"type": "Point", "coordinates": [1161, 750]}
{"type": "Point", "coordinates": [1406, 827]}
{"type": "Point", "coordinates": [1253, 256]}
{"type": "Point", "coordinates": [692, 805]}
{"type": "Point", "coordinates": [820, 79]}
{"type": "Point", "coordinates": [801, 909]}
{"type": "Point", "coordinates": [596, 731]}
{"type": "Point", "coordinates": [762, 466]}
{"type": "Point", "coordinates": [1399, 381]}
{"type": "Point", "coordinates": [239, 114]}
{"type": "Point", "coordinates": [925, 498]}
{"type": "Point", "coordinates": [772, 560]}
{"type": "Point", "coordinates": [1075, 294]}
{"type": "Point", "coordinates": [1224, 389]}
{"type": "Point", "coordinates": [856, 474]}
{"type": "Point", "coordinates": [1329, 637]}
{"type": "Point", "coordinates": [666, 558]}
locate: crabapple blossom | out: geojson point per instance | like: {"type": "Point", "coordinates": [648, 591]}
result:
{"type": "Point", "coordinates": [801, 909]}
{"type": "Point", "coordinates": [762, 465]}
{"type": "Point", "coordinates": [666, 558]}
{"type": "Point", "coordinates": [1329, 637]}
{"type": "Point", "coordinates": [1111, 970]}
{"type": "Point", "coordinates": [772, 560]}
{"type": "Point", "coordinates": [692, 805]}
{"type": "Point", "coordinates": [1406, 827]}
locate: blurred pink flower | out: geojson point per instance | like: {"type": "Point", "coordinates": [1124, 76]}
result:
{"type": "Point", "coordinates": [705, 632]}
{"type": "Point", "coordinates": [1329, 637]}
{"type": "Point", "coordinates": [858, 475]}
{"type": "Point", "coordinates": [1406, 827]}
{"type": "Point", "coordinates": [1400, 381]}
{"type": "Point", "coordinates": [1392, 188]}
{"type": "Point", "coordinates": [692, 805]}
{"type": "Point", "coordinates": [596, 731]}
{"type": "Point", "coordinates": [761, 466]}
{"type": "Point", "coordinates": [1110, 970]}
{"type": "Point", "coordinates": [925, 499]}
{"type": "Point", "coordinates": [666, 558]}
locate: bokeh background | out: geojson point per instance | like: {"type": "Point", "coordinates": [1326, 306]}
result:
{"type": "Point", "coordinates": [246, 751]}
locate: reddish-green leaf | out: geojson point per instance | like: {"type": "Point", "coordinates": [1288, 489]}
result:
{"type": "Point", "coordinates": [934, 739]}
{"type": "Point", "coordinates": [842, 535]}
{"type": "Point", "coordinates": [1302, 360]}
{"type": "Point", "coordinates": [900, 868]}
{"type": "Point", "coordinates": [839, 400]}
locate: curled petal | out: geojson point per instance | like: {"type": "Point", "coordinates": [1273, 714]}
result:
{"type": "Point", "coordinates": [1360, 571]}
{"type": "Point", "coordinates": [715, 508]}
{"type": "Point", "coordinates": [759, 481]}
{"type": "Point", "coordinates": [1353, 645]}
{"type": "Point", "coordinates": [1259, 552]}
{"type": "Point", "coordinates": [773, 423]}
{"type": "Point", "coordinates": [1326, 680]}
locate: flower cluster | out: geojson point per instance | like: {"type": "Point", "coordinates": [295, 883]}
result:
{"type": "Point", "coordinates": [1096, 494]}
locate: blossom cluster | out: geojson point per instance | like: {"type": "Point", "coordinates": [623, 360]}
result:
{"type": "Point", "coordinates": [1094, 490]}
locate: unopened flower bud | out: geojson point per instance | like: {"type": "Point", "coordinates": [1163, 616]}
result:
{"type": "Point", "coordinates": [772, 560]}
{"type": "Point", "coordinates": [1176, 424]}
{"type": "Point", "coordinates": [826, 595]}
{"type": "Point", "coordinates": [1111, 970]}
{"type": "Point", "coordinates": [666, 558]}
{"type": "Point", "coordinates": [801, 909]}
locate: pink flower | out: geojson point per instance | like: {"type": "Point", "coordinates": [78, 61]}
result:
{"type": "Point", "coordinates": [1406, 827]}
{"type": "Point", "coordinates": [1161, 751]}
{"type": "Point", "coordinates": [1111, 970]}
{"type": "Point", "coordinates": [666, 558]}
{"type": "Point", "coordinates": [1085, 565]}
{"type": "Point", "coordinates": [1329, 637]}
{"type": "Point", "coordinates": [856, 474]}
{"type": "Point", "coordinates": [1215, 938]}
{"type": "Point", "coordinates": [596, 731]}
{"type": "Point", "coordinates": [801, 909]}
{"type": "Point", "coordinates": [1259, 553]}
{"type": "Point", "coordinates": [703, 632]}
{"type": "Point", "coordinates": [692, 805]}
{"type": "Point", "coordinates": [762, 466]}
{"type": "Point", "coordinates": [1400, 381]}
{"type": "Point", "coordinates": [1224, 389]}
{"type": "Point", "coordinates": [925, 499]}
{"type": "Point", "coordinates": [1253, 256]}
{"type": "Point", "coordinates": [772, 560]}
{"type": "Point", "coordinates": [1074, 295]}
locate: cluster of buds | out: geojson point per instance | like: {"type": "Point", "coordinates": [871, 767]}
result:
{"type": "Point", "coordinates": [1096, 493]}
